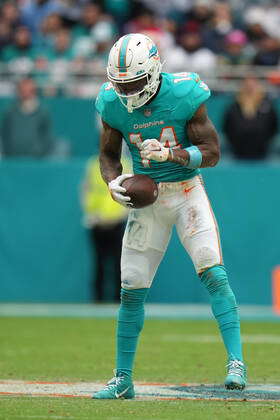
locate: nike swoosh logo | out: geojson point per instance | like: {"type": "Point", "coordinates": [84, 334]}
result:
{"type": "Point", "coordinates": [187, 190]}
{"type": "Point", "coordinates": [121, 393]}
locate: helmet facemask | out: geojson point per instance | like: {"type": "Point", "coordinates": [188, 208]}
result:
{"type": "Point", "coordinates": [140, 83]}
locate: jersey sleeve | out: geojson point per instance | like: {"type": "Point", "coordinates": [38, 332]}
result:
{"type": "Point", "coordinates": [189, 93]}
{"type": "Point", "coordinates": [100, 104]}
{"type": "Point", "coordinates": [104, 103]}
{"type": "Point", "coordinates": [198, 95]}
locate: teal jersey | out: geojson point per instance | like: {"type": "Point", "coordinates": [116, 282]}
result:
{"type": "Point", "coordinates": [164, 118]}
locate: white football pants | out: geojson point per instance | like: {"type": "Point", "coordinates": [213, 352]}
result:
{"type": "Point", "coordinates": [184, 204]}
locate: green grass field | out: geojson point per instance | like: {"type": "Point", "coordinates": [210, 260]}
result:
{"type": "Point", "coordinates": [58, 349]}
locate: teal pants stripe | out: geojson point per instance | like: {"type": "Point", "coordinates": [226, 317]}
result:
{"type": "Point", "coordinates": [224, 308]}
{"type": "Point", "coordinates": [129, 325]}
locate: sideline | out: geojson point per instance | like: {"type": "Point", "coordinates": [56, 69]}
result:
{"type": "Point", "coordinates": [153, 311]}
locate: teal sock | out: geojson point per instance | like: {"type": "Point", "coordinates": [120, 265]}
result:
{"type": "Point", "coordinates": [224, 308]}
{"type": "Point", "coordinates": [130, 324]}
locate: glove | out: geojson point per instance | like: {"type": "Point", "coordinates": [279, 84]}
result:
{"type": "Point", "coordinates": [117, 191]}
{"type": "Point", "coordinates": [153, 149]}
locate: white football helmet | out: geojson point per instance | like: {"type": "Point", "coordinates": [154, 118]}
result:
{"type": "Point", "coordinates": [134, 69]}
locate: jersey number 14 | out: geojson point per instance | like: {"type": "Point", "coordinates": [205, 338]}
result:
{"type": "Point", "coordinates": [167, 138]}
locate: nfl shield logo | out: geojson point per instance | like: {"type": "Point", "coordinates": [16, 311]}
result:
{"type": "Point", "coordinates": [147, 112]}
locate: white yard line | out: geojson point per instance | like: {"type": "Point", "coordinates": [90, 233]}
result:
{"type": "Point", "coordinates": [207, 338]}
{"type": "Point", "coordinates": [144, 391]}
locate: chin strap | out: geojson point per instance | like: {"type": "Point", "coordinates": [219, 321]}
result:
{"type": "Point", "coordinates": [129, 105]}
{"type": "Point", "coordinates": [150, 91]}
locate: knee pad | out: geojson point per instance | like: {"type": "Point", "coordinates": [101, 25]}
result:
{"type": "Point", "coordinates": [134, 277]}
{"type": "Point", "coordinates": [205, 257]}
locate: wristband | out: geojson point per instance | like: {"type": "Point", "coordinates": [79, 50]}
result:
{"type": "Point", "coordinates": [195, 157]}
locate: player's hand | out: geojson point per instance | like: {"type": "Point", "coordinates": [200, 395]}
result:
{"type": "Point", "coordinates": [117, 191]}
{"type": "Point", "coordinates": [153, 149]}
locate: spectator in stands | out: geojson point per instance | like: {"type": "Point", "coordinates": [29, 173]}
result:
{"type": "Point", "coordinates": [144, 21]}
{"type": "Point", "coordinates": [105, 220]}
{"type": "Point", "coordinates": [91, 16]}
{"type": "Point", "coordinates": [5, 35]}
{"type": "Point", "coordinates": [59, 59]}
{"type": "Point", "coordinates": [47, 50]}
{"type": "Point", "coordinates": [269, 52]}
{"type": "Point", "coordinates": [103, 32]}
{"type": "Point", "coordinates": [26, 126]}
{"type": "Point", "coordinates": [33, 14]}
{"type": "Point", "coordinates": [62, 48]}
{"type": "Point", "coordinates": [21, 46]}
{"type": "Point", "coordinates": [71, 9]}
{"type": "Point", "coordinates": [235, 49]}
{"type": "Point", "coordinates": [164, 8]}
{"type": "Point", "coordinates": [20, 54]}
{"type": "Point", "coordinates": [272, 19]}
{"type": "Point", "coordinates": [250, 122]}
{"type": "Point", "coordinates": [147, 23]}
{"type": "Point", "coordinates": [254, 21]}
{"type": "Point", "coordinates": [10, 14]}
{"type": "Point", "coordinates": [219, 26]}
{"type": "Point", "coordinates": [51, 25]}
{"type": "Point", "coordinates": [199, 17]}
{"type": "Point", "coordinates": [94, 27]}
{"type": "Point", "coordinates": [119, 9]}
{"type": "Point", "coordinates": [191, 35]}
{"type": "Point", "coordinates": [102, 36]}
{"type": "Point", "coordinates": [9, 21]}
{"type": "Point", "coordinates": [190, 55]}
{"type": "Point", "coordinates": [255, 33]}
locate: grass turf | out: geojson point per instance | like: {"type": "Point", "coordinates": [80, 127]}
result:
{"type": "Point", "coordinates": [83, 350]}
{"type": "Point", "coordinates": [78, 409]}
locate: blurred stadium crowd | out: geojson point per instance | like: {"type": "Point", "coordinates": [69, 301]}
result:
{"type": "Point", "coordinates": [55, 48]}
{"type": "Point", "coordinates": [60, 41]}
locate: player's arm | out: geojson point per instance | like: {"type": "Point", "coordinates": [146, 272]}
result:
{"type": "Point", "coordinates": [110, 163]}
{"type": "Point", "coordinates": [202, 135]}
{"type": "Point", "coordinates": [204, 151]}
{"type": "Point", "coordinates": [110, 152]}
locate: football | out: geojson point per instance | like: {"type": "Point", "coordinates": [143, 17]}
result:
{"type": "Point", "coordinates": [142, 190]}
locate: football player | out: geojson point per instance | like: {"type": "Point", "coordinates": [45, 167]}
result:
{"type": "Point", "coordinates": [163, 119]}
